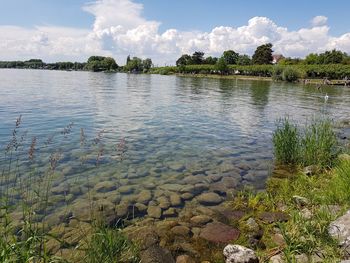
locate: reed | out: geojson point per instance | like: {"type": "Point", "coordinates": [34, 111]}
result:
{"type": "Point", "coordinates": [25, 201]}
{"type": "Point", "coordinates": [286, 141]}
{"type": "Point", "coordinates": [315, 144]}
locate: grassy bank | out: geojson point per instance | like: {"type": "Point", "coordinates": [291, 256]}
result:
{"type": "Point", "coordinates": [295, 72]}
{"type": "Point", "coordinates": [308, 199]}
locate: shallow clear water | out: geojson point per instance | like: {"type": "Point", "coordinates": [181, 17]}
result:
{"type": "Point", "coordinates": [166, 127]}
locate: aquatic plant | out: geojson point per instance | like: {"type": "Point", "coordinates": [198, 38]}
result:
{"type": "Point", "coordinates": [286, 141]}
{"type": "Point", "coordinates": [319, 144]}
{"type": "Point", "coordinates": [316, 144]}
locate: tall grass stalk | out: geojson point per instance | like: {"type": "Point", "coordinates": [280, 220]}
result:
{"type": "Point", "coordinates": [319, 144]}
{"type": "Point", "coordinates": [286, 141]}
{"type": "Point", "coordinates": [316, 144]}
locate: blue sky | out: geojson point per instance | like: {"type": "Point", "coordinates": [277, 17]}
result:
{"type": "Point", "coordinates": [143, 26]}
{"type": "Point", "coordinates": [183, 14]}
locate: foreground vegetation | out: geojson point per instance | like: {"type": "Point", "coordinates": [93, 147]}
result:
{"type": "Point", "coordinates": [312, 199]}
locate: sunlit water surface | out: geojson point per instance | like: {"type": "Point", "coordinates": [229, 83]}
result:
{"type": "Point", "coordinates": [148, 131]}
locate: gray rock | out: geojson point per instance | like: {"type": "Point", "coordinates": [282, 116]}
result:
{"type": "Point", "coordinates": [252, 225]}
{"type": "Point", "coordinates": [277, 259]}
{"type": "Point", "coordinates": [239, 254]}
{"type": "Point", "coordinates": [306, 213]}
{"type": "Point", "coordinates": [154, 211]}
{"type": "Point", "coordinates": [311, 170]}
{"type": "Point", "coordinates": [171, 187]}
{"type": "Point", "coordinates": [301, 201]}
{"type": "Point", "coordinates": [302, 258]}
{"type": "Point", "coordinates": [209, 199]}
{"type": "Point", "coordinates": [340, 230]}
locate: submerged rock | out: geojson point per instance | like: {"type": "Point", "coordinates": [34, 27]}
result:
{"type": "Point", "coordinates": [185, 259]}
{"type": "Point", "coordinates": [156, 254]}
{"type": "Point", "coordinates": [209, 199]}
{"type": "Point", "coordinates": [200, 220]}
{"type": "Point", "coordinates": [219, 233]}
{"type": "Point", "coordinates": [103, 187]}
{"type": "Point", "coordinates": [239, 254]}
{"type": "Point", "coordinates": [154, 211]}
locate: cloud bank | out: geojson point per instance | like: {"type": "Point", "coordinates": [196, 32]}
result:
{"type": "Point", "coordinates": [119, 29]}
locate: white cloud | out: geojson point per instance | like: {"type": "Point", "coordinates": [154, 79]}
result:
{"type": "Point", "coordinates": [120, 29]}
{"type": "Point", "coordinates": [319, 20]}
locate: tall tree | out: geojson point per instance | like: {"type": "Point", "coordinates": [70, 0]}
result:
{"type": "Point", "coordinates": [221, 65]}
{"type": "Point", "coordinates": [244, 60]}
{"type": "Point", "coordinates": [230, 57]}
{"type": "Point", "coordinates": [197, 58]}
{"type": "Point", "coordinates": [263, 54]}
{"type": "Point", "coordinates": [184, 60]}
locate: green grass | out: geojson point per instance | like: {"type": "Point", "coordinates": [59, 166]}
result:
{"type": "Point", "coordinates": [315, 144]}
{"type": "Point", "coordinates": [286, 141]}
{"type": "Point", "coordinates": [109, 246]}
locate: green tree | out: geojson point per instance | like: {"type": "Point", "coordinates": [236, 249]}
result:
{"type": "Point", "coordinates": [230, 57]}
{"type": "Point", "coordinates": [244, 60]}
{"type": "Point", "coordinates": [147, 64]}
{"type": "Point", "coordinates": [184, 60]}
{"type": "Point", "coordinates": [197, 58]}
{"type": "Point", "coordinates": [263, 54]}
{"type": "Point", "coordinates": [210, 60]}
{"type": "Point", "coordinates": [312, 58]}
{"type": "Point", "coordinates": [221, 65]}
{"type": "Point", "coordinates": [333, 57]}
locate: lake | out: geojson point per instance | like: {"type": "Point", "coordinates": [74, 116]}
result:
{"type": "Point", "coordinates": [141, 138]}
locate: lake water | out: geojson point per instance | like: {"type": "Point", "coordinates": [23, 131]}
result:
{"type": "Point", "coordinates": [161, 133]}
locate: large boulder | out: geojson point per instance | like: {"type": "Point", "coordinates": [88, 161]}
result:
{"type": "Point", "coordinates": [239, 254]}
{"type": "Point", "coordinates": [340, 230]}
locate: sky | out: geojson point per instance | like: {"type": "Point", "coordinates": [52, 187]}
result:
{"type": "Point", "coordinates": [73, 30]}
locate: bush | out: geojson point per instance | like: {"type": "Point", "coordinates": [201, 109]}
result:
{"type": "Point", "coordinates": [277, 72]}
{"type": "Point", "coordinates": [290, 74]}
{"type": "Point", "coordinates": [286, 141]}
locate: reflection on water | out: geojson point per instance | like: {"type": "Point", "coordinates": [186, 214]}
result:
{"type": "Point", "coordinates": [212, 134]}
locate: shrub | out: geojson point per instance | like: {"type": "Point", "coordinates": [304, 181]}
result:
{"type": "Point", "coordinates": [277, 73]}
{"type": "Point", "coordinates": [286, 141]}
{"type": "Point", "coordinates": [290, 74]}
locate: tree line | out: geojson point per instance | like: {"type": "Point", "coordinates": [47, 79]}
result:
{"type": "Point", "coordinates": [94, 63]}
{"type": "Point", "coordinates": [263, 55]}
